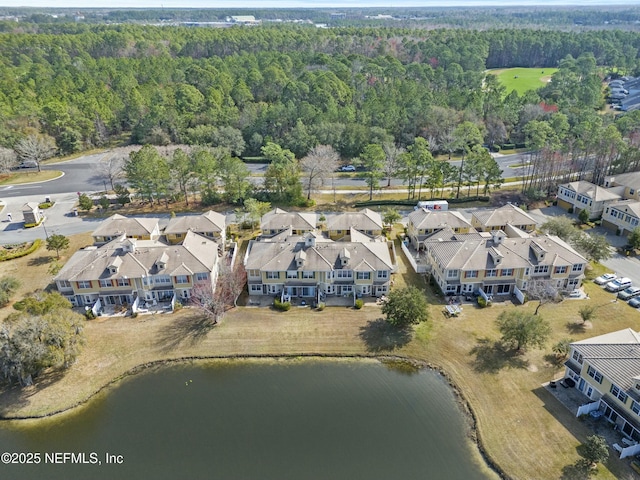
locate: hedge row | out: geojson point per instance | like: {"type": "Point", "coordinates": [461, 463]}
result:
{"type": "Point", "coordinates": [413, 203]}
{"type": "Point", "coordinates": [21, 253]}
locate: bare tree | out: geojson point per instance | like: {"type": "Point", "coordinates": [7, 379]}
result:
{"type": "Point", "coordinates": [392, 160]}
{"type": "Point", "coordinates": [35, 147]}
{"type": "Point", "coordinates": [8, 160]}
{"type": "Point", "coordinates": [544, 291]}
{"type": "Point", "coordinates": [111, 168]}
{"type": "Point", "coordinates": [214, 302]}
{"type": "Point", "coordinates": [318, 166]}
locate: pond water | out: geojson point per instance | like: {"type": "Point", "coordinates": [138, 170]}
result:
{"type": "Point", "coordinates": [257, 420]}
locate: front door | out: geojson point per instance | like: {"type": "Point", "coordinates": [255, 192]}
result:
{"type": "Point", "coordinates": [581, 385]}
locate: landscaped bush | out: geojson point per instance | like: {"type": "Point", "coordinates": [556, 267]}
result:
{"type": "Point", "coordinates": [359, 304]}
{"type": "Point", "coordinates": [45, 205]}
{"type": "Point", "coordinates": [10, 254]}
{"type": "Point", "coordinates": [508, 146]}
{"type": "Point", "coordinates": [281, 306]}
{"type": "Point", "coordinates": [321, 306]}
{"type": "Point", "coordinates": [482, 303]}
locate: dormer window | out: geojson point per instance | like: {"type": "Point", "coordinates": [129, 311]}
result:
{"type": "Point", "coordinates": [344, 257]}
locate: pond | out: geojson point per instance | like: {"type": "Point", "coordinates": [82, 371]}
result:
{"type": "Point", "coordinates": [248, 420]}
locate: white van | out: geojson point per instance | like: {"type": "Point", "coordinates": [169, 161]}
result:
{"type": "Point", "coordinates": [618, 284]}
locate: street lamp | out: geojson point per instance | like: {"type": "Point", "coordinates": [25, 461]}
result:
{"type": "Point", "coordinates": [45, 228]}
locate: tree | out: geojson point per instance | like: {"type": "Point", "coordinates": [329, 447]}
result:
{"type": "Point", "coordinates": [319, 164]}
{"type": "Point", "coordinates": [583, 216]}
{"type": "Point", "coordinates": [36, 148]}
{"type": "Point", "coordinates": [8, 160]}
{"type": "Point", "coordinates": [8, 285]}
{"type": "Point", "coordinates": [562, 227]}
{"type": "Point", "coordinates": [544, 291]}
{"type": "Point", "coordinates": [562, 348]}
{"type": "Point", "coordinates": [57, 242]}
{"type": "Point", "coordinates": [255, 210]}
{"type": "Point", "coordinates": [214, 302]}
{"type": "Point", "coordinates": [111, 168]}
{"type": "Point", "coordinates": [595, 449]}
{"type": "Point", "coordinates": [45, 334]}
{"type": "Point", "coordinates": [181, 170]}
{"type": "Point", "coordinates": [148, 173]}
{"type": "Point", "coordinates": [390, 216]}
{"type": "Point", "coordinates": [406, 306]}
{"type": "Point", "coordinates": [281, 180]}
{"type": "Point", "coordinates": [520, 329]}
{"type": "Point", "coordinates": [593, 246]}
{"type": "Point", "coordinates": [122, 194]}
{"type": "Point", "coordinates": [634, 238]}
{"type": "Point", "coordinates": [392, 160]}
{"type": "Point", "coordinates": [466, 134]}
{"type": "Point", "coordinates": [587, 312]}
{"type": "Point", "coordinates": [85, 202]}
{"type": "Point", "coordinates": [372, 160]}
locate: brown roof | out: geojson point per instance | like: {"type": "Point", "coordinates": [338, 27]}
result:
{"type": "Point", "coordinates": [207, 222]}
{"type": "Point", "coordinates": [118, 225]}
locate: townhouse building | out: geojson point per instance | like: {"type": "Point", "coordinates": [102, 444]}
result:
{"type": "Point", "coordinates": [313, 266]}
{"type": "Point", "coordinates": [583, 195]}
{"type": "Point", "coordinates": [126, 270]}
{"type": "Point", "coordinates": [492, 262]}
{"type": "Point", "coordinates": [500, 218]}
{"type": "Point", "coordinates": [424, 222]}
{"type": "Point", "coordinates": [606, 369]}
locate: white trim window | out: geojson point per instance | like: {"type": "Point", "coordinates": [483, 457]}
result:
{"type": "Point", "coordinates": [202, 276]}
{"type": "Point", "coordinates": [577, 267]}
{"type": "Point", "coordinates": [344, 274]}
{"type": "Point", "coordinates": [64, 284]}
{"type": "Point", "coordinates": [292, 274]}
{"type": "Point", "coordinates": [161, 279]}
{"type": "Point", "coordinates": [308, 274]}
{"type": "Point", "coordinates": [84, 284]}
{"type": "Point", "coordinates": [273, 275]}
{"type": "Point", "coordinates": [105, 283]}
{"type": "Point", "coordinates": [253, 288]}
{"type": "Point", "coordinates": [618, 393]}
{"type": "Point", "coordinates": [124, 282]}
{"type": "Point", "coordinates": [593, 373]}
{"type": "Point", "coordinates": [382, 274]}
{"type": "Point", "coordinates": [491, 273]}
{"type": "Point", "coordinates": [182, 278]}
{"type": "Point", "coordinates": [363, 275]}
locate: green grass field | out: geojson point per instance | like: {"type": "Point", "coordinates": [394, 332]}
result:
{"type": "Point", "coordinates": [523, 79]}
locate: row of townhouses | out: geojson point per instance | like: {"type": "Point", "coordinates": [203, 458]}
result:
{"type": "Point", "coordinates": [497, 253]}
{"type": "Point", "coordinates": [300, 255]}
{"type": "Point", "coordinates": [133, 261]}
{"type": "Point", "coordinates": [617, 202]}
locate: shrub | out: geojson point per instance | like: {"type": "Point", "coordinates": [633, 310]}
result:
{"type": "Point", "coordinates": [282, 306]}
{"type": "Point", "coordinates": [508, 146]}
{"type": "Point", "coordinates": [358, 304]}
{"type": "Point", "coordinates": [321, 306]}
{"type": "Point", "coordinates": [134, 315]}
{"type": "Point", "coordinates": [89, 315]}
{"type": "Point", "coordinates": [4, 255]}
{"type": "Point", "coordinates": [45, 205]}
{"type": "Point", "coordinates": [482, 303]}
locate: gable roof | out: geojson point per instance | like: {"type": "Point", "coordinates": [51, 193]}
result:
{"type": "Point", "coordinates": [207, 222]}
{"type": "Point", "coordinates": [630, 179]}
{"type": "Point", "coordinates": [196, 254]}
{"type": "Point", "coordinates": [628, 206]}
{"type": "Point", "coordinates": [326, 256]}
{"type": "Point", "coordinates": [29, 206]}
{"type": "Point", "coordinates": [479, 253]}
{"type": "Point", "coordinates": [593, 191]}
{"type": "Point", "coordinates": [424, 219]}
{"type": "Point", "coordinates": [278, 219]}
{"type": "Point", "coordinates": [365, 219]}
{"type": "Point", "coordinates": [616, 355]}
{"type": "Point", "coordinates": [507, 214]}
{"type": "Point", "coordinates": [118, 225]}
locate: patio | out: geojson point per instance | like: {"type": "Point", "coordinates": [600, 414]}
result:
{"type": "Point", "coordinates": [573, 399]}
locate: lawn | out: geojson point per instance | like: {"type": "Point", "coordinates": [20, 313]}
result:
{"type": "Point", "coordinates": [523, 428]}
{"type": "Point", "coordinates": [523, 79]}
{"type": "Point", "coordinates": [28, 177]}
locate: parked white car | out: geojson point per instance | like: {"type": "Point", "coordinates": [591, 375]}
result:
{"type": "Point", "coordinates": [606, 278]}
{"type": "Point", "coordinates": [347, 168]}
{"type": "Point", "coordinates": [618, 284]}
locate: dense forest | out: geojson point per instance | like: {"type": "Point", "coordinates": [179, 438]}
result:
{"type": "Point", "coordinates": [299, 87]}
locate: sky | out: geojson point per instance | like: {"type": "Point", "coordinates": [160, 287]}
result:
{"type": "Point", "coordinates": [299, 3]}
